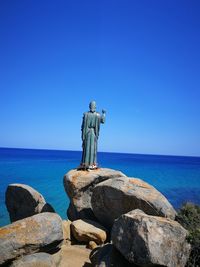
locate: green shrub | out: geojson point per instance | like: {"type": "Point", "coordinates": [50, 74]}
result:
{"type": "Point", "coordinates": [189, 217]}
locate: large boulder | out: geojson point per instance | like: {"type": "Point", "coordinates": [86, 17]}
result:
{"type": "Point", "coordinates": [114, 197]}
{"type": "Point", "coordinates": [41, 232]}
{"type": "Point", "coordinates": [87, 230]}
{"type": "Point", "coordinates": [108, 256]}
{"type": "Point", "coordinates": [150, 240]}
{"type": "Point", "coordinates": [35, 260]}
{"type": "Point", "coordinates": [23, 201]}
{"type": "Point", "coordinates": [78, 186]}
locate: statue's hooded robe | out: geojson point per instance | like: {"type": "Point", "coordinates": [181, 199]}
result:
{"type": "Point", "coordinates": [90, 133]}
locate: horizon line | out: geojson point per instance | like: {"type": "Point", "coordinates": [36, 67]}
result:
{"type": "Point", "coordinates": [147, 154]}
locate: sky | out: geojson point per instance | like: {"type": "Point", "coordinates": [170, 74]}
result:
{"type": "Point", "coordinates": [139, 60]}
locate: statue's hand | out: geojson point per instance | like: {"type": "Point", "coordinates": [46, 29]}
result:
{"type": "Point", "coordinates": [103, 111]}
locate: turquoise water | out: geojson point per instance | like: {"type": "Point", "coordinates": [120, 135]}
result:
{"type": "Point", "coordinates": [178, 178]}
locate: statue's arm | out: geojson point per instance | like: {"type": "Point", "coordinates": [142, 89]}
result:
{"type": "Point", "coordinates": [103, 116]}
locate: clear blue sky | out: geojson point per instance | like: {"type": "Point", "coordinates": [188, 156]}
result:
{"type": "Point", "coordinates": [140, 60]}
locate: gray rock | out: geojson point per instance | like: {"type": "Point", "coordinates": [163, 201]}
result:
{"type": "Point", "coordinates": [87, 230]}
{"type": "Point", "coordinates": [78, 186]}
{"type": "Point", "coordinates": [108, 256]}
{"type": "Point", "coordinates": [150, 240]}
{"type": "Point", "coordinates": [35, 260]}
{"type": "Point", "coordinates": [23, 201]}
{"type": "Point", "coordinates": [114, 197]}
{"type": "Point", "coordinates": [41, 232]}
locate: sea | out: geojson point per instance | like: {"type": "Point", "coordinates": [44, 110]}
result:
{"type": "Point", "coordinates": [177, 177]}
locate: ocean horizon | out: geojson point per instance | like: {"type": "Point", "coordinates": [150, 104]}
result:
{"type": "Point", "coordinates": [176, 177]}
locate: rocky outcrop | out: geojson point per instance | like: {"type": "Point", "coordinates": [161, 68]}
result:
{"type": "Point", "coordinates": [108, 256]}
{"type": "Point", "coordinates": [87, 230]}
{"type": "Point", "coordinates": [114, 197]}
{"type": "Point", "coordinates": [23, 201]}
{"type": "Point", "coordinates": [41, 232]}
{"type": "Point", "coordinates": [79, 185]}
{"type": "Point", "coordinates": [150, 240]}
{"type": "Point", "coordinates": [140, 218]}
{"type": "Point", "coordinates": [35, 260]}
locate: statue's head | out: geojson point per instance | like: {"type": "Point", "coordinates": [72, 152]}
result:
{"type": "Point", "coordinates": [92, 106]}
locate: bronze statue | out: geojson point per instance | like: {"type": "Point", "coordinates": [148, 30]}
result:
{"type": "Point", "coordinates": [90, 133]}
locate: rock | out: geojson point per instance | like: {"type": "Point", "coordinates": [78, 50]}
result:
{"type": "Point", "coordinates": [35, 260]}
{"type": "Point", "coordinates": [23, 201]}
{"type": "Point", "coordinates": [114, 197]}
{"type": "Point", "coordinates": [57, 257]}
{"type": "Point", "coordinates": [41, 232]}
{"type": "Point", "coordinates": [87, 230]}
{"type": "Point", "coordinates": [92, 245]}
{"type": "Point", "coordinates": [78, 186]}
{"type": "Point", "coordinates": [150, 240]}
{"type": "Point", "coordinates": [108, 256]}
{"type": "Point", "coordinates": [66, 229]}
{"type": "Point", "coordinates": [74, 256]}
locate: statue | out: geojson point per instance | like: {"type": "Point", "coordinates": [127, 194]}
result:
{"type": "Point", "coordinates": [90, 133]}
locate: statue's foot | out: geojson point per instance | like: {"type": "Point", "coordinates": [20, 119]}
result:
{"type": "Point", "coordinates": [82, 167]}
{"type": "Point", "coordinates": [93, 167]}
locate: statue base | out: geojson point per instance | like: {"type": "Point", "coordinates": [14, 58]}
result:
{"type": "Point", "coordinates": [87, 167]}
